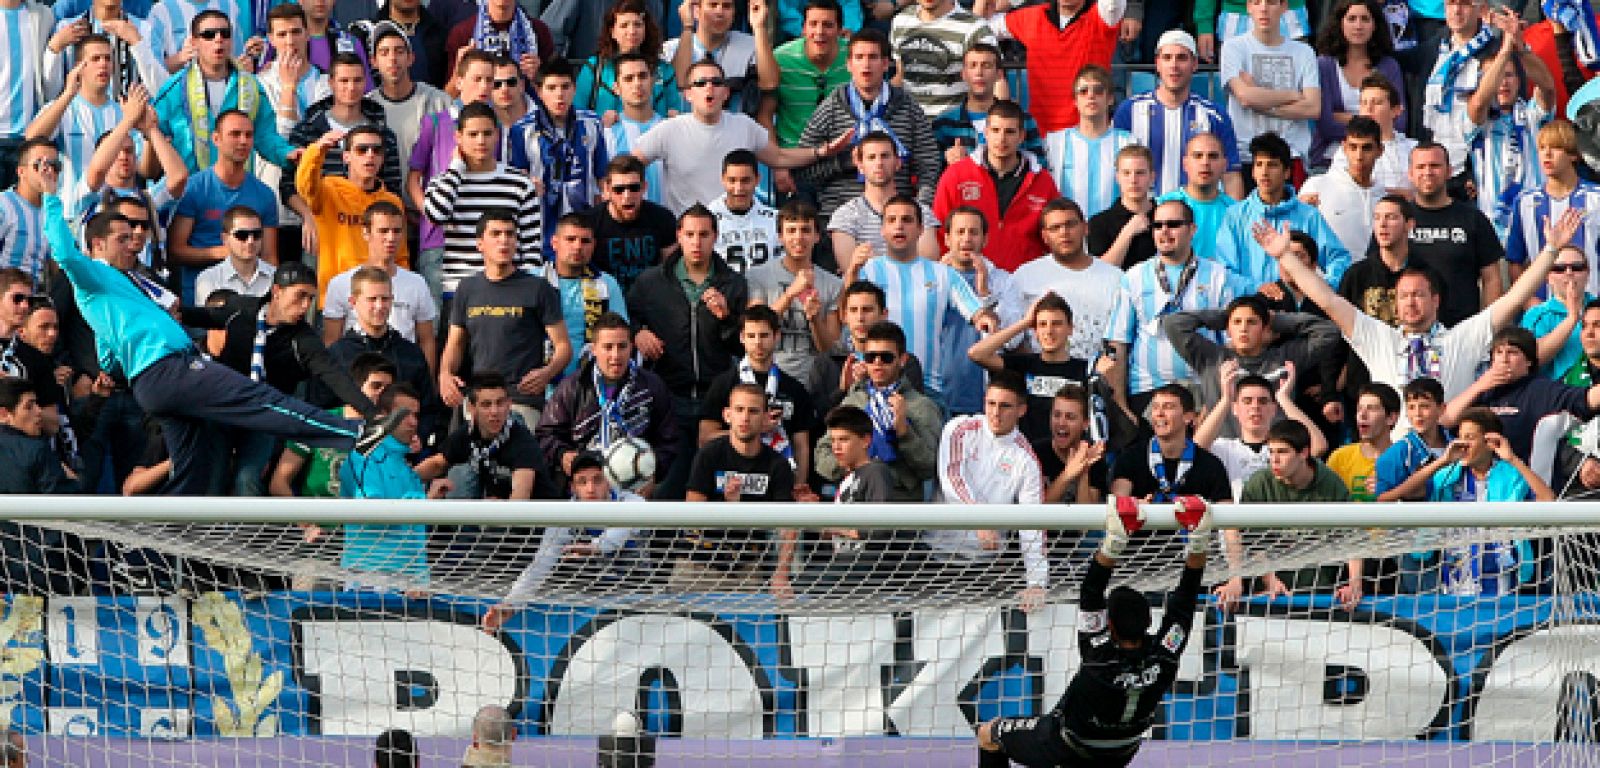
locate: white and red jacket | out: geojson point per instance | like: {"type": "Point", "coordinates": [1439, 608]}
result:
{"type": "Point", "coordinates": [976, 466]}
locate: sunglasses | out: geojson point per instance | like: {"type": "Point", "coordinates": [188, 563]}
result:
{"type": "Point", "coordinates": [139, 224]}
{"type": "Point", "coordinates": [246, 235]}
{"type": "Point", "coordinates": [624, 188]}
{"type": "Point", "coordinates": [506, 83]}
{"type": "Point", "coordinates": [1096, 89]}
{"type": "Point", "coordinates": [714, 82]}
{"type": "Point", "coordinates": [214, 33]}
{"type": "Point", "coordinates": [879, 357]}
{"type": "Point", "coordinates": [1168, 224]}
{"type": "Point", "coordinates": [18, 298]}
{"type": "Point", "coordinates": [1561, 269]}
{"type": "Point", "coordinates": [367, 149]}
{"type": "Point", "coordinates": [40, 302]}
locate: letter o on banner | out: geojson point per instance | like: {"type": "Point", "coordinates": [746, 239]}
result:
{"type": "Point", "coordinates": [720, 694]}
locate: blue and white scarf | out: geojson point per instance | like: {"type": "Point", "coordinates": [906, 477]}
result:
{"type": "Point", "coordinates": [612, 419]}
{"type": "Point", "coordinates": [1578, 18]}
{"type": "Point", "coordinates": [778, 438]}
{"type": "Point", "coordinates": [1514, 124]}
{"type": "Point", "coordinates": [1424, 355]}
{"type": "Point", "coordinates": [563, 161]}
{"type": "Point", "coordinates": [1442, 83]}
{"type": "Point", "coordinates": [884, 438]}
{"type": "Point", "coordinates": [514, 43]}
{"type": "Point", "coordinates": [1167, 489]}
{"type": "Point", "coordinates": [258, 348]}
{"type": "Point", "coordinates": [874, 119]}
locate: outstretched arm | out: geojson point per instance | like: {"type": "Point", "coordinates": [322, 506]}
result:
{"type": "Point", "coordinates": [1558, 234]}
{"type": "Point", "coordinates": [1275, 240]}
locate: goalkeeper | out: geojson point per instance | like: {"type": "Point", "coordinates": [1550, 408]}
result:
{"type": "Point", "coordinates": [1112, 701]}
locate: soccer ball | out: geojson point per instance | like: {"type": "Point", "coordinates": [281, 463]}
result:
{"type": "Point", "coordinates": [630, 463]}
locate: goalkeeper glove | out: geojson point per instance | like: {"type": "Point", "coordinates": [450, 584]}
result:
{"type": "Point", "coordinates": [1123, 518]}
{"type": "Point", "coordinates": [1194, 514]}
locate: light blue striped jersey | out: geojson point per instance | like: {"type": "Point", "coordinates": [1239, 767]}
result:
{"type": "Point", "coordinates": [168, 25]}
{"type": "Point", "coordinates": [1085, 169]}
{"type": "Point", "coordinates": [1525, 236]}
{"type": "Point", "coordinates": [18, 66]}
{"type": "Point", "coordinates": [621, 137]}
{"type": "Point", "coordinates": [22, 241]}
{"type": "Point", "coordinates": [1497, 164]}
{"type": "Point", "coordinates": [1136, 319]}
{"type": "Point", "coordinates": [81, 125]}
{"type": "Point", "coordinates": [1166, 131]}
{"type": "Point", "coordinates": [919, 293]}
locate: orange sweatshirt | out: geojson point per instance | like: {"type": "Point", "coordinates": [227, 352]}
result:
{"type": "Point", "coordinates": [337, 205]}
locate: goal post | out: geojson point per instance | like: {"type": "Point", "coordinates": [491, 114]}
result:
{"type": "Point", "coordinates": [267, 510]}
{"type": "Point", "coordinates": [176, 631]}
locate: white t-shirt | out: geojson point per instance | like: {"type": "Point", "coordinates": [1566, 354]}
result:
{"type": "Point", "coordinates": [1458, 353]}
{"type": "Point", "coordinates": [1091, 292]}
{"type": "Point", "coordinates": [1288, 66]}
{"type": "Point", "coordinates": [1240, 460]}
{"type": "Point", "coordinates": [1347, 207]}
{"type": "Point", "coordinates": [691, 154]}
{"type": "Point", "coordinates": [746, 240]}
{"type": "Point", "coordinates": [413, 302]}
{"type": "Point", "coordinates": [1393, 171]}
{"type": "Point", "coordinates": [404, 118]}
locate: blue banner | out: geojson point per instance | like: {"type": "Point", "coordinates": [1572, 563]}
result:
{"type": "Point", "coordinates": [1433, 667]}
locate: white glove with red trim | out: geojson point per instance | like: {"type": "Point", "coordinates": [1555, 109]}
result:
{"type": "Point", "coordinates": [1123, 518]}
{"type": "Point", "coordinates": [1194, 514]}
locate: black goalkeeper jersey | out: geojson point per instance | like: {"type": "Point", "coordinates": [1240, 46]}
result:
{"type": "Point", "coordinates": [1112, 700]}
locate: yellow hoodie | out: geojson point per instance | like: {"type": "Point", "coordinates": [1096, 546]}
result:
{"type": "Point", "coordinates": [337, 205]}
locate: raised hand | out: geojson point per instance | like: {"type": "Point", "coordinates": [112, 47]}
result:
{"type": "Point", "coordinates": [1500, 445]}
{"type": "Point", "coordinates": [331, 139]}
{"type": "Point", "coordinates": [1274, 240]}
{"type": "Point", "coordinates": [1558, 233]}
{"type": "Point", "coordinates": [123, 29]}
{"type": "Point", "coordinates": [134, 105]}
{"type": "Point", "coordinates": [68, 36]}
{"type": "Point", "coordinates": [1286, 381]}
{"type": "Point", "coordinates": [74, 79]}
{"type": "Point", "coordinates": [292, 67]}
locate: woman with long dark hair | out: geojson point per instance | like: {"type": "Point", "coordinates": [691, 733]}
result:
{"type": "Point", "coordinates": [1354, 42]}
{"type": "Point", "coordinates": [627, 28]}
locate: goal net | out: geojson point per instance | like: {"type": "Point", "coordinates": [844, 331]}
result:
{"type": "Point", "coordinates": [236, 644]}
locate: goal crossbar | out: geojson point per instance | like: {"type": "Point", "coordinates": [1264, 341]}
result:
{"type": "Point", "coordinates": [266, 511]}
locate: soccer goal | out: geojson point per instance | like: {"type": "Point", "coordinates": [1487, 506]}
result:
{"type": "Point", "coordinates": [259, 632]}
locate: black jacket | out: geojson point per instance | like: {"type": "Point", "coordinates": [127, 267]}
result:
{"type": "Point", "coordinates": [698, 345]}
{"type": "Point", "coordinates": [411, 367]}
{"type": "Point", "coordinates": [571, 417]}
{"type": "Point", "coordinates": [29, 465]}
{"type": "Point", "coordinates": [432, 64]}
{"type": "Point", "coordinates": [293, 353]}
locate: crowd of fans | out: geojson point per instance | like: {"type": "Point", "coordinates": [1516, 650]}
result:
{"type": "Point", "coordinates": [852, 250]}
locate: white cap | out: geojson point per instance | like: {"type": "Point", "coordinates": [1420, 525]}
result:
{"type": "Point", "coordinates": [1177, 37]}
